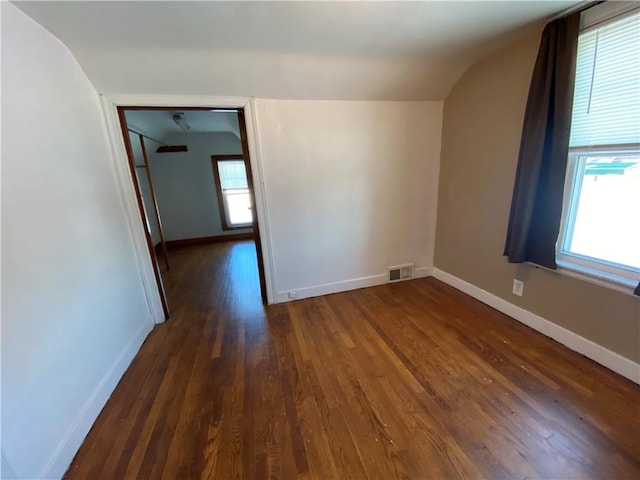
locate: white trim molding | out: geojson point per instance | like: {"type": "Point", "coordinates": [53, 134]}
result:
{"type": "Point", "coordinates": [110, 102]}
{"type": "Point", "coordinates": [345, 285]}
{"type": "Point", "coordinates": [613, 361]}
{"type": "Point", "coordinates": [63, 455]}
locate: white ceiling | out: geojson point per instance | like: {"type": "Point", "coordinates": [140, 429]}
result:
{"type": "Point", "coordinates": [159, 123]}
{"type": "Point", "coordinates": [298, 50]}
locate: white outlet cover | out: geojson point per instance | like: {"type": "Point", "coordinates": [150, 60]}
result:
{"type": "Point", "coordinates": [518, 287]}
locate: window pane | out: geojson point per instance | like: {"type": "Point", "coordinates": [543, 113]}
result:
{"type": "Point", "coordinates": [235, 188]}
{"type": "Point", "coordinates": [238, 207]}
{"type": "Point", "coordinates": [607, 212]}
{"type": "Point", "coordinates": [606, 104]}
{"type": "Point", "coordinates": [232, 174]}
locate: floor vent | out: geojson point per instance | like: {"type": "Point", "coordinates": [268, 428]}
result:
{"type": "Point", "coordinates": [401, 272]}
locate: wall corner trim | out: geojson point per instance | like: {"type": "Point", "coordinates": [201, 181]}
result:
{"type": "Point", "coordinates": [71, 441]}
{"type": "Point", "coordinates": [605, 357]}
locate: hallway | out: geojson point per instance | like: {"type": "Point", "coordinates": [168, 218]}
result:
{"type": "Point", "coordinates": [221, 276]}
{"type": "Point", "coordinates": [408, 380]}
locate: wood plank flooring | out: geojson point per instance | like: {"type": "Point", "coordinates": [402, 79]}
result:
{"type": "Point", "coordinates": [408, 380]}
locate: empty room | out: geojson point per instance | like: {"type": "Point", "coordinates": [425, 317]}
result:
{"type": "Point", "coordinates": [320, 240]}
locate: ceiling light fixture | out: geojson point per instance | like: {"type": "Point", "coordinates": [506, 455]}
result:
{"type": "Point", "coordinates": [178, 117]}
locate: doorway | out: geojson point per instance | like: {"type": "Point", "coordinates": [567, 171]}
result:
{"type": "Point", "coordinates": [161, 136]}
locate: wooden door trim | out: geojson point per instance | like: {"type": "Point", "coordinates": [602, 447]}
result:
{"type": "Point", "coordinates": [143, 216]}
{"type": "Point", "coordinates": [256, 227]}
{"type": "Point", "coordinates": [246, 156]}
{"type": "Point", "coordinates": [110, 104]}
{"type": "Point", "coordinates": [152, 191]}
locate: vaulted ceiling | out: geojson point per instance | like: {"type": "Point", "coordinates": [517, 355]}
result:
{"type": "Point", "coordinates": [292, 50]}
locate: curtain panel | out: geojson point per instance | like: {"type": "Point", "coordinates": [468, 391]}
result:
{"type": "Point", "coordinates": [536, 205]}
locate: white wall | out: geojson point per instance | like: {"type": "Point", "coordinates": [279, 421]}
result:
{"type": "Point", "coordinates": [185, 187]}
{"type": "Point", "coordinates": [73, 307]}
{"type": "Point", "coordinates": [351, 189]}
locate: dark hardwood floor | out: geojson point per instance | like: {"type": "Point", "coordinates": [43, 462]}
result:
{"type": "Point", "coordinates": [408, 380]}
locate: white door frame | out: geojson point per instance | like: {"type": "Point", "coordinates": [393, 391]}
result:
{"type": "Point", "coordinates": [110, 104]}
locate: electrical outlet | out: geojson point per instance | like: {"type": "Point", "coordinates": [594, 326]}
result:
{"type": "Point", "coordinates": [518, 287]}
{"type": "Point", "coordinates": [292, 295]}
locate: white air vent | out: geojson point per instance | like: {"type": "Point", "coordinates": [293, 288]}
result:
{"type": "Point", "coordinates": [401, 272]}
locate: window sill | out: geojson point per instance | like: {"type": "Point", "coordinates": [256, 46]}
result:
{"type": "Point", "coordinates": [244, 226]}
{"type": "Point", "coordinates": [596, 277]}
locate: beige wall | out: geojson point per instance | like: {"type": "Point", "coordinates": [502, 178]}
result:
{"type": "Point", "coordinates": [482, 124]}
{"type": "Point", "coordinates": [343, 180]}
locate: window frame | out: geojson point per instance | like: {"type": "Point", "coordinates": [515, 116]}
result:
{"type": "Point", "coordinates": [594, 270]}
{"type": "Point", "coordinates": [222, 203]}
{"type": "Point", "coordinates": [623, 275]}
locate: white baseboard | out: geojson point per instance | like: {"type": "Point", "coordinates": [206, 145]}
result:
{"type": "Point", "coordinates": [423, 272]}
{"type": "Point", "coordinates": [63, 455]}
{"type": "Point", "coordinates": [613, 361]}
{"type": "Point", "coordinates": [345, 285]}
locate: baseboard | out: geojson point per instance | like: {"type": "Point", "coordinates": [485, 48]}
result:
{"type": "Point", "coordinates": [63, 455]}
{"type": "Point", "coordinates": [345, 285]}
{"type": "Point", "coordinates": [216, 238]}
{"type": "Point", "coordinates": [422, 272]}
{"type": "Point", "coordinates": [613, 361]}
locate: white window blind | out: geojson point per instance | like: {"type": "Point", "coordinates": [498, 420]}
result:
{"type": "Point", "coordinates": [233, 175]}
{"type": "Point", "coordinates": [606, 105]}
{"type": "Point", "coordinates": [234, 194]}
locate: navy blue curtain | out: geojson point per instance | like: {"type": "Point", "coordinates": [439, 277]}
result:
{"type": "Point", "coordinates": [536, 206]}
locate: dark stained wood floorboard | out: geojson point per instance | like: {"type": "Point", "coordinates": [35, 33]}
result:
{"type": "Point", "coordinates": [408, 380]}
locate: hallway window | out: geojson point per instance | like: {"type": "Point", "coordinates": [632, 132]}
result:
{"type": "Point", "coordinates": [230, 176]}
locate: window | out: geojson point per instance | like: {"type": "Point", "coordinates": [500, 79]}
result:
{"type": "Point", "coordinates": [232, 186]}
{"type": "Point", "coordinates": [600, 230]}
